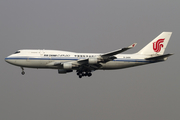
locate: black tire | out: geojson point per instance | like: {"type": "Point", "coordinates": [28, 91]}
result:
{"type": "Point", "coordinates": [89, 74]}
{"type": "Point", "coordinates": [22, 72]}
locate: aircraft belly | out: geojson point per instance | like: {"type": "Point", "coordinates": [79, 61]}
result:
{"type": "Point", "coordinates": [32, 63]}
{"type": "Point", "coordinates": [24, 63]}
{"type": "Point", "coordinates": [120, 64]}
{"type": "Point", "coordinates": [20, 62]}
{"type": "Point", "coordinates": [38, 63]}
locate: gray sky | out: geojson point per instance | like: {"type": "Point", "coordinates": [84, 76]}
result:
{"type": "Point", "coordinates": [148, 92]}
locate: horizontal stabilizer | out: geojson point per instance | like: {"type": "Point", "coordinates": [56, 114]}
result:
{"type": "Point", "coordinates": [159, 57]}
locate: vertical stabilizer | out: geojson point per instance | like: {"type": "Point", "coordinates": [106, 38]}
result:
{"type": "Point", "coordinates": [158, 45]}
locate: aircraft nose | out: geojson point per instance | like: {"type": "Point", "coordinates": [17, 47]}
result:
{"type": "Point", "coordinates": [7, 59]}
{"type": "Point", "coordinates": [11, 60]}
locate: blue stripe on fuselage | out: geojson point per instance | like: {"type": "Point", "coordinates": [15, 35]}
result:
{"type": "Point", "coordinates": [74, 59]}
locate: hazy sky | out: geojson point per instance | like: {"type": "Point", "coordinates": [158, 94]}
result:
{"type": "Point", "coordinates": [150, 92]}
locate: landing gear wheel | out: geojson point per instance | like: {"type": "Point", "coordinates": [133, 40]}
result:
{"type": "Point", "coordinates": [83, 73]}
{"type": "Point", "coordinates": [89, 74]}
{"type": "Point", "coordinates": [22, 72]}
{"type": "Point", "coordinates": [80, 75]}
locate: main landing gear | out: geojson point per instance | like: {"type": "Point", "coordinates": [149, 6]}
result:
{"type": "Point", "coordinates": [84, 74]}
{"type": "Point", "coordinates": [22, 71]}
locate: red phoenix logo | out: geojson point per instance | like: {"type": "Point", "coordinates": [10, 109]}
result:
{"type": "Point", "coordinates": [157, 45]}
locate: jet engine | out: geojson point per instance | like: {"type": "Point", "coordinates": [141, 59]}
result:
{"type": "Point", "coordinates": [63, 71]}
{"type": "Point", "coordinates": [92, 60]}
{"type": "Point", "coordinates": [67, 66]}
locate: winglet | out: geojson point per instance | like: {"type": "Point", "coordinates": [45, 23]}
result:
{"type": "Point", "coordinates": [133, 45]}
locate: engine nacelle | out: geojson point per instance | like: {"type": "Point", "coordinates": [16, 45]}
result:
{"type": "Point", "coordinates": [92, 60]}
{"type": "Point", "coordinates": [67, 66]}
{"type": "Point", "coordinates": [63, 71]}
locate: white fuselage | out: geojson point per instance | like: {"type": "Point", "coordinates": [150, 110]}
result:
{"type": "Point", "coordinates": [47, 58]}
{"type": "Point", "coordinates": [85, 63]}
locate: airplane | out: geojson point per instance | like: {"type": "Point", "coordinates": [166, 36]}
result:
{"type": "Point", "coordinates": [85, 63]}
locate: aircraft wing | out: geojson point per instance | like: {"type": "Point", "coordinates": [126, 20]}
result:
{"type": "Point", "coordinates": [94, 62]}
{"type": "Point", "coordinates": [115, 52]}
{"type": "Point", "coordinates": [105, 57]}
{"type": "Point", "coordinates": [84, 63]}
{"type": "Point", "coordinates": [54, 63]}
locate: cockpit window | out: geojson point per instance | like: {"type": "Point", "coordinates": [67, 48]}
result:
{"type": "Point", "coordinates": [17, 52]}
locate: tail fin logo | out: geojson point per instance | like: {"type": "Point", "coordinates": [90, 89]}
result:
{"type": "Point", "coordinates": [158, 45]}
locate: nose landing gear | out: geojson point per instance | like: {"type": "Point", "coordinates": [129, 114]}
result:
{"type": "Point", "coordinates": [22, 71]}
